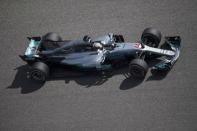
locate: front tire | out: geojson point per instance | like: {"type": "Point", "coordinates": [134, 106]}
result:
{"type": "Point", "coordinates": [151, 37]}
{"type": "Point", "coordinates": [39, 72]}
{"type": "Point", "coordinates": [138, 68]}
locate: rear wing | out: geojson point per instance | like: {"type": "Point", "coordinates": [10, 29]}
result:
{"type": "Point", "coordinates": [33, 46]}
{"type": "Point", "coordinates": [174, 44]}
{"type": "Point", "coordinates": [31, 51]}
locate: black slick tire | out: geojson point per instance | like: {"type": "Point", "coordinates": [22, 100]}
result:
{"type": "Point", "coordinates": [51, 36]}
{"type": "Point", "coordinates": [151, 37]}
{"type": "Point", "coordinates": [138, 68]}
{"type": "Point", "coordinates": [39, 72]}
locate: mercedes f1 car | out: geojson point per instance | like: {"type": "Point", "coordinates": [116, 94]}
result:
{"type": "Point", "coordinates": [101, 54]}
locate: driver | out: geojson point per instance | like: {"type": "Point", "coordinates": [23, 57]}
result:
{"type": "Point", "coordinates": [95, 44]}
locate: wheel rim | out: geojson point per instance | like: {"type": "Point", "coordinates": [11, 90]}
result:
{"type": "Point", "coordinates": [137, 71]}
{"type": "Point", "coordinates": [38, 75]}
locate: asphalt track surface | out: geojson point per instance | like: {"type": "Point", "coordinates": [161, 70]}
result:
{"type": "Point", "coordinates": [92, 102]}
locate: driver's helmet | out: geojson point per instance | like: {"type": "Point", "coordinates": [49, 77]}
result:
{"type": "Point", "coordinates": [97, 45]}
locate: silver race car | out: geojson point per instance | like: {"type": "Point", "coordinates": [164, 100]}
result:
{"type": "Point", "coordinates": [101, 54]}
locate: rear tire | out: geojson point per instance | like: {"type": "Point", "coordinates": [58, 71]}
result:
{"type": "Point", "coordinates": [51, 36]}
{"type": "Point", "coordinates": [138, 68]}
{"type": "Point", "coordinates": [39, 72]}
{"type": "Point", "coordinates": [151, 37]}
{"type": "Point", "coordinates": [50, 41]}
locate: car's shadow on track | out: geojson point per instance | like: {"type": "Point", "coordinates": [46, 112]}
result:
{"type": "Point", "coordinates": [87, 79]}
{"type": "Point", "coordinates": [21, 81]}
{"type": "Point", "coordinates": [90, 79]}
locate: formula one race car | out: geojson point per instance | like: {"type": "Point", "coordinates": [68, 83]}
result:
{"type": "Point", "coordinates": [102, 53]}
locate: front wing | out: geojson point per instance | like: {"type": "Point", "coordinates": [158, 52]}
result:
{"type": "Point", "coordinates": [174, 44]}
